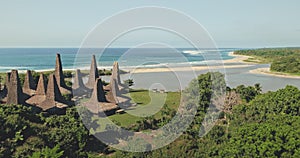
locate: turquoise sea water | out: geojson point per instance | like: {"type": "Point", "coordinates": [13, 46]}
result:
{"type": "Point", "coordinates": [44, 58]}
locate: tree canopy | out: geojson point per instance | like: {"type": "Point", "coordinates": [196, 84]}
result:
{"type": "Point", "coordinates": [286, 60]}
{"type": "Point", "coordinates": [251, 124]}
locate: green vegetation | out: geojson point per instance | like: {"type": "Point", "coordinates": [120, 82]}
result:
{"type": "Point", "coordinates": [289, 64]}
{"type": "Point", "coordinates": [48, 153]}
{"type": "Point", "coordinates": [263, 125]}
{"type": "Point", "coordinates": [104, 72]}
{"type": "Point", "coordinates": [284, 60]}
{"type": "Point", "coordinates": [143, 100]}
{"type": "Point", "coordinates": [248, 93]}
{"type": "Point", "coordinates": [250, 124]}
{"type": "Point", "coordinates": [129, 82]}
{"type": "Point", "coordinates": [24, 133]}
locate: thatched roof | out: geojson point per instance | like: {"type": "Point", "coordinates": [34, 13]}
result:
{"type": "Point", "coordinates": [29, 86]}
{"type": "Point", "coordinates": [60, 77]}
{"type": "Point", "coordinates": [40, 95]}
{"type": "Point", "coordinates": [98, 102]}
{"type": "Point", "coordinates": [93, 73]}
{"type": "Point", "coordinates": [15, 94]}
{"type": "Point", "coordinates": [53, 96]}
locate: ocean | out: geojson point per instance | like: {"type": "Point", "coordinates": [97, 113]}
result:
{"type": "Point", "coordinates": [44, 58]}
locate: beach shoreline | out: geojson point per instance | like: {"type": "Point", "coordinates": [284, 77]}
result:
{"type": "Point", "coordinates": [238, 60]}
{"type": "Point", "coordinates": [266, 71]}
{"type": "Point", "coordinates": [178, 69]}
{"type": "Point", "coordinates": [262, 71]}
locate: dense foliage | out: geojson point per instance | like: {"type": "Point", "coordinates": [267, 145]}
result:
{"type": "Point", "coordinates": [250, 124]}
{"type": "Point", "coordinates": [263, 125]}
{"type": "Point", "coordinates": [289, 64]}
{"type": "Point", "coordinates": [24, 133]}
{"type": "Point", "coordinates": [270, 53]}
{"type": "Point", "coordinates": [285, 60]}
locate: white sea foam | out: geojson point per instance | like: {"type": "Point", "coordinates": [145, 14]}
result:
{"type": "Point", "coordinates": [124, 67]}
{"type": "Point", "coordinates": [192, 52]}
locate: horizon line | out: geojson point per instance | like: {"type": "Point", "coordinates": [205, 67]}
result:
{"type": "Point", "coordinates": [254, 47]}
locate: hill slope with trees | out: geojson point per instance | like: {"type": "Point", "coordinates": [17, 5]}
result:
{"type": "Point", "coordinates": [251, 124]}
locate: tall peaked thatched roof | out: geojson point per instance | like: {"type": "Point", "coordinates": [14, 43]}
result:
{"type": "Point", "coordinates": [98, 94]}
{"type": "Point", "coordinates": [40, 95]}
{"type": "Point", "coordinates": [78, 82]}
{"type": "Point", "coordinates": [53, 96]}
{"type": "Point", "coordinates": [59, 75]}
{"type": "Point", "coordinates": [41, 87]}
{"type": "Point", "coordinates": [15, 94]}
{"type": "Point", "coordinates": [116, 72]}
{"type": "Point", "coordinates": [93, 73]}
{"type": "Point", "coordinates": [29, 85]}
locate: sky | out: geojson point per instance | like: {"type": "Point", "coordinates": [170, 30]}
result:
{"type": "Point", "coordinates": [231, 23]}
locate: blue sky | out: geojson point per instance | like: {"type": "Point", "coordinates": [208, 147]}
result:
{"type": "Point", "coordinates": [231, 23]}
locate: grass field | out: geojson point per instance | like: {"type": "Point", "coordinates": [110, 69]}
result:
{"type": "Point", "coordinates": [146, 107]}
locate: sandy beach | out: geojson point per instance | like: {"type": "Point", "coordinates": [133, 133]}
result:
{"type": "Point", "coordinates": [238, 62]}
{"type": "Point", "coordinates": [193, 68]}
{"type": "Point", "coordinates": [266, 71]}
{"type": "Point", "coordinates": [238, 59]}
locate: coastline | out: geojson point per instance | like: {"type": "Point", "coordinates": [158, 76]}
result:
{"type": "Point", "coordinates": [266, 71]}
{"type": "Point", "coordinates": [192, 68]}
{"type": "Point", "coordinates": [238, 60]}
{"type": "Point", "coordinates": [262, 71]}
